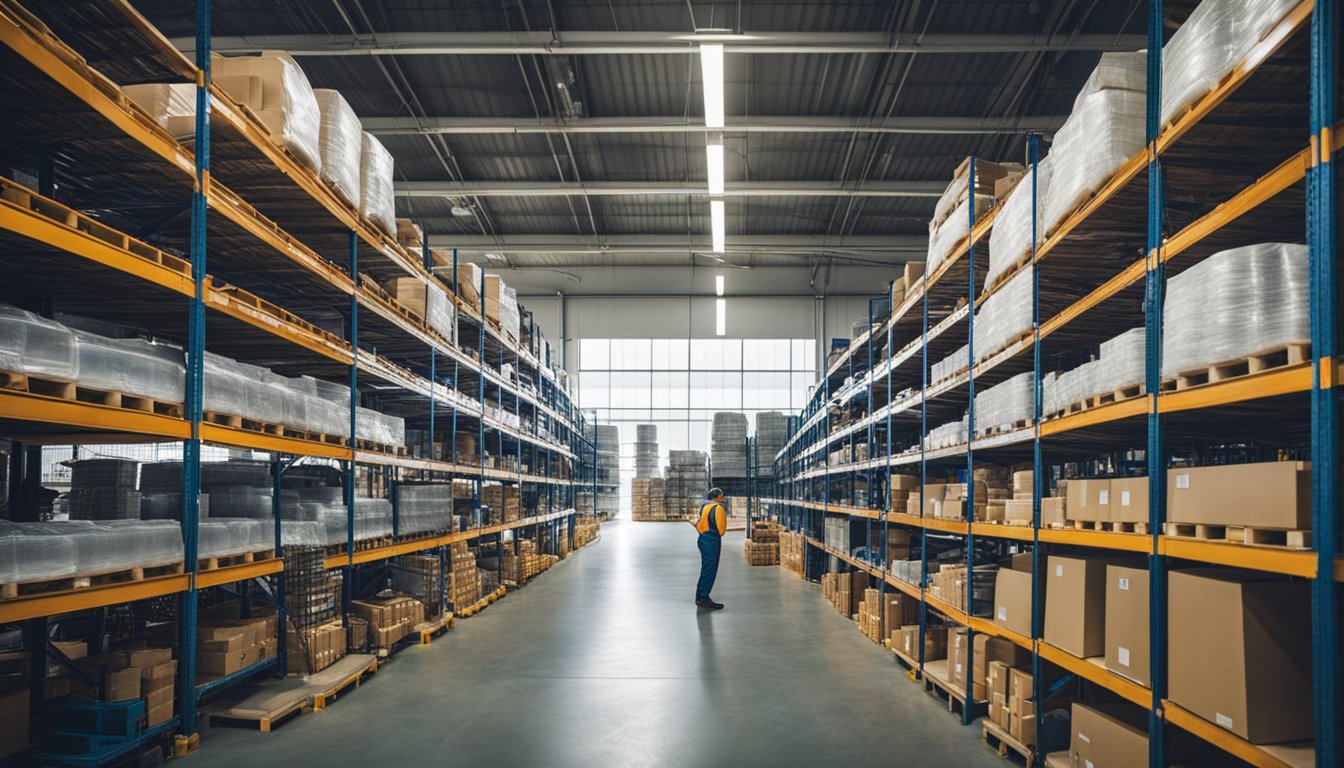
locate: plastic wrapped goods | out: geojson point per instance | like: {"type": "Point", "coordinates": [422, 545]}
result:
{"type": "Point", "coordinates": [1233, 304]}
{"type": "Point", "coordinates": [946, 435]}
{"type": "Point", "coordinates": [104, 503]}
{"type": "Point", "coordinates": [425, 508]}
{"type": "Point", "coordinates": [43, 551]}
{"type": "Point", "coordinates": [376, 202]}
{"type": "Point", "coordinates": [236, 472]}
{"type": "Point", "coordinates": [1005, 316]}
{"type": "Point", "coordinates": [440, 313]}
{"type": "Point", "coordinates": [339, 142]}
{"type": "Point", "coordinates": [240, 501]}
{"type": "Point", "coordinates": [1122, 361]}
{"type": "Point", "coordinates": [1119, 71]}
{"type": "Point", "coordinates": [172, 105]}
{"type": "Point", "coordinates": [36, 346]}
{"type": "Point", "coordinates": [131, 366]}
{"type": "Point", "coordinates": [951, 365]}
{"type": "Point", "coordinates": [1005, 404]}
{"type": "Point", "coordinates": [380, 428]}
{"type": "Point", "coordinates": [168, 506]}
{"type": "Point", "coordinates": [1105, 129]}
{"type": "Point", "coordinates": [944, 237]}
{"type": "Point", "coordinates": [274, 87]}
{"type": "Point", "coordinates": [222, 538]}
{"type": "Point", "coordinates": [1010, 240]}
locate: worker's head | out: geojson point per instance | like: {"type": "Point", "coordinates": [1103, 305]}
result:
{"type": "Point", "coordinates": [716, 494]}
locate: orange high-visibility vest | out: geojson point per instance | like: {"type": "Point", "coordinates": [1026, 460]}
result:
{"type": "Point", "coordinates": [720, 524]}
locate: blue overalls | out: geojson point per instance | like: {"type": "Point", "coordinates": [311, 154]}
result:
{"type": "Point", "coordinates": [710, 543]}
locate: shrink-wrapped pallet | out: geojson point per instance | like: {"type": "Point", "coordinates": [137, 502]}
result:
{"type": "Point", "coordinates": [1005, 404]}
{"type": "Point", "coordinates": [951, 365]}
{"type": "Point", "coordinates": [944, 237]}
{"type": "Point", "coordinates": [240, 501]}
{"type": "Point", "coordinates": [440, 313]}
{"type": "Point", "coordinates": [274, 87]}
{"type": "Point", "coordinates": [379, 427]}
{"type": "Point", "coordinates": [425, 507]}
{"type": "Point", "coordinates": [1233, 304]}
{"type": "Point", "coordinates": [1116, 71]}
{"type": "Point", "coordinates": [340, 141]}
{"type": "Point", "coordinates": [1005, 316]}
{"type": "Point", "coordinates": [1105, 129]}
{"type": "Point", "coordinates": [222, 538]}
{"type": "Point", "coordinates": [1122, 361]}
{"type": "Point", "coordinates": [44, 551]}
{"type": "Point", "coordinates": [299, 533]}
{"type": "Point", "coordinates": [168, 505]}
{"type": "Point", "coordinates": [946, 435]}
{"type": "Point", "coordinates": [171, 105]}
{"type": "Point", "coordinates": [1010, 240]}
{"type": "Point", "coordinates": [376, 202]}
{"type": "Point", "coordinates": [36, 346]}
{"type": "Point", "coordinates": [1211, 42]}
{"type": "Point", "coordinates": [131, 366]}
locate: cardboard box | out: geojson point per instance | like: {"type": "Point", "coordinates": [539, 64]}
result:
{"type": "Point", "coordinates": [900, 610]}
{"type": "Point", "coordinates": [933, 497]}
{"type": "Point", "coordinates": [1005, 185]}
{"type": "Point", "coordinates": [986, 649]}
{"type": "Point", "coordinates": [1052, 511]}
{"type": "Point", "coordinates": [1024, 484]}
{"type": "Point", "coordinates": [122, 686]}
{"type": "Point", "coordinates": [231, 643]}
{"type": "Point", "coordinates": [160, 714]}
{"type": "Point", "coordinates": [1088, 500]}
{"type": "Point", "coordinates": [151, 677]}
{"type": "Point", "coordinates": [914, 270]}
{"type": "Point", "coordinates": [1108, 736]}
{"type": "Point", "coordinates": [158, 698]}
{"type": "Point", "coordinates": [149, 657]}
{"type": "Point", "coordinates": [1274, 494]}
{"type": "Point", "coordinates": [935, 642]}
{"type": "Point", "coordinates": [1021, 709]}
{"type": "Point", "coordinates": [1018, 511]}
{"type": "Point", "coordinates": [1012, 600]}
{"type": "Point", "coordinates": [996, 685]}
{"type": "Point", "coordinates": [1075, 605]}
{"type": "Point", "coordinates": [13, 722]}
{"type": "Point", "coordinates": [1127, 622]}
{"type": "Point", "coordinates": [73, 649]}
{"type": "Point", "coordinates": [1239, 651]}
{"type": "Point", "coordinates": [224, 663]}
{"type": "Point", "coordinates": [1129, 500]}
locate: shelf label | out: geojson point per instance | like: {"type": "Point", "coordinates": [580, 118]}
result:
{"type": "Point", "coordinates": [1124, 583]}
{"type": "Point", "coordinates": [1059, 570]}
{"type": "Point", "coordinates": [1003, 613]}
{"type": "Point", "coordinates": [1104, 497]}
{"type": "Point", "coordinates": [1124, 498]}
{"type": "Point", "coordinates": [1222, 719]}
{"type": "Point", "coordinates": [1123, 654]}
{"type": "Point", "coordinates": [1183, 480]}
{"type": "Point", "coordinates": [1084, 738]}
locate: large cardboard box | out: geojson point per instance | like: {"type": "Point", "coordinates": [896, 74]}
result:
{"type": "Point", "coordinates": [1108, 736]}
{"type": "Point", "coordinates": [1127, 622]}
{"type": "Point", "coordinates": [1012, 600]}
{"type": "Point", "coordinates": [1274, 494]}
{"type": "Point", "coordinates": [122, 685]}
{"type": "Point", "coordinates": [1129, 500]}
{"type": "Point", "coordinates": [1239, 651]}
{"type": "Point", "coordinates": [996, 685]}
{"type": "Point", "coordinates": [935, 642]}
{"type": "Point", "coordinates": [900, 610]}
{"type": "Point", "coordinates": [933, 499]}
{"type": "Point", "coordinates": [13, 721]}
{"type": "Point", "coordinates": [1052, 511]}
{"type": "Point", "coordinates": [1021, 709]}
{"type": "Point", "coordinates": [1088, 500]}
{"type": "Point", "coordinates": [914, 270]}
{"type": "Point", "coordinates": [1075, 605]}
{"type": "Point", "coordinates": [1024, 484]}
{"type": "Point", "coordinates": [494, 292]}
{"type": "Point", "coordinates": [984, 650]}
{"type": "Point", "coordinates": [222, 663]}
{"type": "Point", "coordinates": [149, 657]}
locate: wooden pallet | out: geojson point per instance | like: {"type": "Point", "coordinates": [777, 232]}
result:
{"type": "Point", "coordinates": [1110, 526]}
{"type": "Point", "coordinates": [1004, 429]}
{"type": "Point", "coordinates": [1278, 356]}
{"type": "Point", "coordinates": [37, 385]}
{"type": "Point", "coordinates": [266, 710]}
{"type": "Point", "coordinates": [72, 583]}
{"type": "Point", "coordinates": [998, 740]}
{"type": "Point", "coordinates": [340, 678]}
{"type": "Point", "coordinates": [1241, 534]}
{"type": "Point", "coordinates": [935, 682]}
{"type": "Point", "coordinates": [227, 561]}
{"type": "Point", "coordinates": [130, 402]}
{"type": "Point", "coordinates": [1009, 273]}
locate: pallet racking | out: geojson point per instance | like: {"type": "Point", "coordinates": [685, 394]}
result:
{"type": "Point", "coordinates": [267, 245]}
{"type": "Point", "coordinates": [1253, 160]}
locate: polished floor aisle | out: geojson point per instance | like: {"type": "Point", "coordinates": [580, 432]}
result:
{"type": "Point", "coordinates": [605, 661]}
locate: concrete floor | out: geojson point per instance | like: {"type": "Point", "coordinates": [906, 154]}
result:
{"type": "Point", "coordinates": [605, 661]}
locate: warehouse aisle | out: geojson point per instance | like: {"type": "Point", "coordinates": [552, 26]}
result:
{"type": "Point", "coordinates": [605, 661]}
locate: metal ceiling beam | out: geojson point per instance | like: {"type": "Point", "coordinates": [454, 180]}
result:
{"type": "Point", "coordinates": [679, 244]}
{"type": "Point", "coordinates": [529, 125]}
{"type": "Point", "coordinates": [572, 43]}
{"type": "Point", "coordinates": [660, 188]}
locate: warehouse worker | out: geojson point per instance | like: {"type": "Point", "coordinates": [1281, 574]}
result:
{"type": "Point", "coordinates": [712, 524]}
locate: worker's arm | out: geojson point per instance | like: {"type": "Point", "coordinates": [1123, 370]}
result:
{"type": "Point", "coordinates": [721, 519]}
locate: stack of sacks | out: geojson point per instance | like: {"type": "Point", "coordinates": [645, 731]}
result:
{"type": "Point", "coordinates": [1010, 240]}
{"type": "Point", "coordinates": [1005, 404]}
{"type": "Point", "coordinates": [273, 86]}
{"type": "Point", "coordinates": [133, 367]}
{"type": "Point", "coordinates": [58, 550]}
{"type": "Point", "coordinates": [951, 216]}
{"type": "Point", "coordinates": [1105, 129]}
{"type": "Point", "coordinates": [340, 140]}
{"type": "Point", "coordinates": [1216, 36]}
{"type": "Point", "coordinates": [376, 202]}
{"type": "Point", "coordinates": [946, 436]}
{"type": "Point", "coordinates": [36, 346]}
{"type": "Point", "coordinates": [1004, 316]}
{"type": "Point", "coordinates": [951, 365]}
{"type": "Point", "coordinates": [1233, 304]}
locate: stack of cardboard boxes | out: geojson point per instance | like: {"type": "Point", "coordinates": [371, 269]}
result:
{"type": "Point", "coordinates": [948, 584]}
{"type": "Point", "coordinates": [313, 649]}
{"type": "Point", "coordinates": [228, 645]}
{"type": "Point", "coordinates": [464, 584]}
{"type": "Point", "coordinates": [1018, 509]}
{"type": "Point", "coordinates": [906, 640]}
{"type": "Point", "coordinates": [1011, 707]}
{"type": "Point", "coordinates": [761, 552]}
{"type": "Point", "coordinates": [418, 576]}
{"type": "Point", "coordinates": [845, 591]}
{"type": "Point", "coordinates": [586, 528]}
{"type": "Point", "coordinates": [503, 500]}
{"type": "Point", "coordinates": [881, 616]}
{"type": "Point", "coordinates": [984, 649]}
{"type": "Point", "coordinates": [646, 501]}
{"type": "Point", "coordinates": [1115, 503]}
{"type": "Point", "coordinates": [902, 488]}
{"type": "Point", "coordinates": [791, 547]}
{"type": "Point", "coordinates": [991, 508]}
{"type": "Point", "coordinates": [910, 277]}
{"type": "Point", "coordinates": [390, 619]}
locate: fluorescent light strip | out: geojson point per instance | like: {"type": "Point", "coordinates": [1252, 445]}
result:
{"type": "Point", "coordinates": [718, 285]}
{"type": "Point", "coordinates": [711, 71]}
{"type": "Point", "coordinates": [718, 224]}
{"type": "Point", "coordinates": [720, 317]}
{"type": "Point", "coordinates": [714, 164]}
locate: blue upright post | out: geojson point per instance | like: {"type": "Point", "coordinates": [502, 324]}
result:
{"type": "Point", "coordinates": [1038, 481]}
{"type": "Point", "coordinates": [480, 399]}
{"type": "Point", "coordinates": [1322, 220]}
{"type": "Point", "coordinates": [195, 390]}
{"type": "Point", "coordinates": [348, 577]}
{"type": "Point", "coordinates": [967, 710]}
{"type": "Point", "coordinates": [433, 397]}
{"type": "Point", "coordinates": [923, 468]}
{"type": "Point", "coordinates": [1154, 293]}
{"type": "Point", "coordinates": [281, 612]}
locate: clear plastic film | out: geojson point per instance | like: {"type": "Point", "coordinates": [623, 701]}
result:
{"type": "Point", "coordinates": [1005, 404]}
{"type": "Point", "coordinates": [222, 538]}
{"type": "Point", "coordinates": [946, 435]}
{"type": "Point", "coordinates": [168, 505]}
{"type": "Point", "coordinates": [1122, 361]}
{"type": "Point", "coordinates": [1233, 304]}
{"type": "Point", "coordinates": [1010, 240]}
{"type": "Point", "coordinates": [1105, 130]}
{"type": "Point", "coordinates": [376, 202]}
{"type": "Point", "coordinates": [131, 366]}
{"type": "Point", "coordinates": [440, 313]}
{"type": "Point", "coordinates": [951, 365]}
{"type": "Point", "coordinates": [339, 138]}
{"type": "Point", "coordinates": [36, 346]}
{"type": "Point", "coordinates": [274, 87]}
{"type": "Point", "coordinates": [1116, 71]}
{"type": "Point", "coordinates": [303, 534]}
{"type": "Point", "coordinates": [943, 237]}
{"type": "Point", "coordinates": [425, 508]}
{"type": "Point", "coordinates": [240, 501]}
{"type": "Point", "coordinates": [64, 549]}
{"type": "Point", "coordinates": [1005, 316]}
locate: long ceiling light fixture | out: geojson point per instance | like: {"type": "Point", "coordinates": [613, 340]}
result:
{"type": "Point", "coordinates": [717, 224]}
{"type": "Point", "coordinates": [714, 164]}
{"type": "Point", "coordinates": [711, 71]}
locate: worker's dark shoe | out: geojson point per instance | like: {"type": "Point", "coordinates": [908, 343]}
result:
{"type": "Point", "coordinates": [708, 604]}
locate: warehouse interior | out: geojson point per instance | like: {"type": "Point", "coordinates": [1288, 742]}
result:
{"type": "Point", "coordinates": [363, 363]}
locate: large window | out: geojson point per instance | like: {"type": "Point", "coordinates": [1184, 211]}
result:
{"type": "Point", "coordinates": [678, 384]}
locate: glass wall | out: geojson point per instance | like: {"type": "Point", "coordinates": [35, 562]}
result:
{"type": "Point", "coordinates": [678, 384]}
